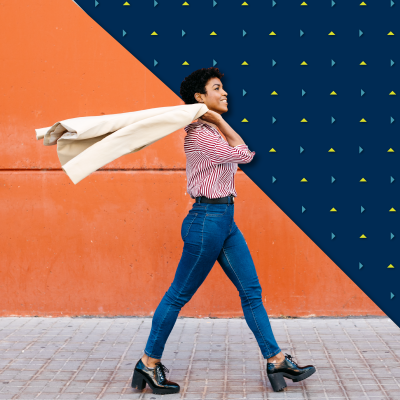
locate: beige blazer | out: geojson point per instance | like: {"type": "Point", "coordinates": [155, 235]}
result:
{"type": "Point", "coordinates": [86, 144]}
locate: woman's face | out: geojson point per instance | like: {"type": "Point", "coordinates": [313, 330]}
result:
{"type": "Point", "coordinates": [215, 96]}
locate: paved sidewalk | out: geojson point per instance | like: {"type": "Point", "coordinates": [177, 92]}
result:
{"type": "Point", "coordinates": [93, 358]}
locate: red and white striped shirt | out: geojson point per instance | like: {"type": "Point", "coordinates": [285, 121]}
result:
{"type": "Point", "coordinates": [211, 163]}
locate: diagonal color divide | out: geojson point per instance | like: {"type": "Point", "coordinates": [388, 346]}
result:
{"type": "Point", "coordinates": [319, 76]}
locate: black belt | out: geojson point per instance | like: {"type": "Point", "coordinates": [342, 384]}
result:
{"type": "Point", "coordinates": [220, 200]}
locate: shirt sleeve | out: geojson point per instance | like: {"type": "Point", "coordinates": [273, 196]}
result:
{"type": "Point", "coordinates": [218, 151]}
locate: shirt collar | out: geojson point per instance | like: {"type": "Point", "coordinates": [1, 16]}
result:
{"type": "Point", "coordinates": [198, 122]}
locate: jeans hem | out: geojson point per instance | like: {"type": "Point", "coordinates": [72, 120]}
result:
{"type": "Point", "coordinates": [152, 356]}
{"type": "Point", "coordinates": [273, 354]}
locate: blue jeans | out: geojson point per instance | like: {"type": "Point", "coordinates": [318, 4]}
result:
{"type": "Point", "coordinates": [210, 233]}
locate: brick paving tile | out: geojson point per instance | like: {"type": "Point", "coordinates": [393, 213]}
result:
{"type": "Point", "coordinates": [219, 359]}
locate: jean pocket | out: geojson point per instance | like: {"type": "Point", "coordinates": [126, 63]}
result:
{"type": "Point", "coordinates": [187, 223]}
{"type": "Point", "coordinates": [217, 210]}
{"type": "Point", "coordinates": [199, 206]}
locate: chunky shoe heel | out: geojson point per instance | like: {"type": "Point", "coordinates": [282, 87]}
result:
{"type": "Point", "coordinates": [277, 381]}
{"type": "Point", "coordinates": [138, 381]}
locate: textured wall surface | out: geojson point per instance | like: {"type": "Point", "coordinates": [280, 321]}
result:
{"type": "Point", "coordinates": [110, 244]}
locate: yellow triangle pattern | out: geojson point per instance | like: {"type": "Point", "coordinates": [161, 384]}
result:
{"type": "Point", "coordinates": [244, 4]}
{"type": "Point", "coordinates": [185, 3]}
{"type": "Point", "coordinates": [362, 4]}
{"type": "Point", "coordinates": [303, 3]}
{"type": "Point", "coordinates": [390, 266]}
{"type": "Point", "coordinates": [390, 150]}
{"type": "Point", "coordinates": [333, 93]}
{"type": "Point", "coordinates": [126, 4]}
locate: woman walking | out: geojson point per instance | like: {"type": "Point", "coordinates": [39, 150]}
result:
{"type": "Point", "coordinates": [210, 234]}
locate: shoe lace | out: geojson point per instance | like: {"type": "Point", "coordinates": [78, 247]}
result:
{"type": "Point", "coordinates": [290, 358]}
{"type": "Point", "coordinates": [161, 368]}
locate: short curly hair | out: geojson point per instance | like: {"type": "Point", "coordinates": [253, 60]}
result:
{"type": "Point", "coordinates": [196, 83]}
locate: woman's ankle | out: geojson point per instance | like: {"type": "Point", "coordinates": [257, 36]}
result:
{"type": "Point", "coordinates": [276, 358]}
{"type": "Point", "coordinates": [149, 362]}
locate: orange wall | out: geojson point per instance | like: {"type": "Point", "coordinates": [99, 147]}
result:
{"type": "Point", "coordinates": [110, 244]}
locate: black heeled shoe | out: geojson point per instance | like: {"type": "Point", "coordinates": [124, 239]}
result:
{"type": "Point", "coordinates": [154, 377]}
{"type": "Point", "coordinates": [288, 369]}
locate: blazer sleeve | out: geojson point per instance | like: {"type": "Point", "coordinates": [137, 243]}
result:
{"type": "Point", "coordinates": [218, 151]}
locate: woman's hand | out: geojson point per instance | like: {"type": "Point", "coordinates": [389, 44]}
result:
{"type": "Point", "coordinates": [212, 116]}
